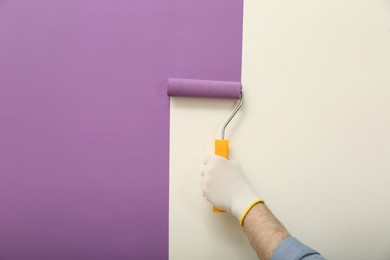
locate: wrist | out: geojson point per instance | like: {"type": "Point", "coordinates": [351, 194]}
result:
{"type": "Point", "coordinates": [243, 203]}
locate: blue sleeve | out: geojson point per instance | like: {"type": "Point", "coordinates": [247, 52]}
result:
{"type": "Point", "coordinates": [292, 249]}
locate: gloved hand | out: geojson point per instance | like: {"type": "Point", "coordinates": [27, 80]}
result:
{"type": "Point", "coordinates": [225, 186]}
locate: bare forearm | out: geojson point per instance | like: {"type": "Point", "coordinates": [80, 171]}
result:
{"type": "Point", "coordinates": [264, 231]}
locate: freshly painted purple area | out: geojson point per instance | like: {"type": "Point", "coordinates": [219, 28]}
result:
{"type": "Point", "coordinates": [204, 88]}
{"type": "Point", "coordinates": [84, 119]}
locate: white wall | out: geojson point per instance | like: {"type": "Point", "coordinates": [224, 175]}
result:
{"type": "Point", "coordinates": [313, 137]}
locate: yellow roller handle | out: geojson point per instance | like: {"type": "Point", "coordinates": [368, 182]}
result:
{"type": "Point", "coordinates": [221, 149]}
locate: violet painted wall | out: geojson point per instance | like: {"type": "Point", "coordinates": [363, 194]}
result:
{"type": "Point", "coordinates": [84, 119]}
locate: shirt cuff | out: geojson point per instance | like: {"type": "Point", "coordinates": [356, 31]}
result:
{"type": "Point", "coordinates": [292, 249]}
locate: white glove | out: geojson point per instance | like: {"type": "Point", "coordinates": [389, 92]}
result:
{"type": "Point", "coordinates": [225, 186]}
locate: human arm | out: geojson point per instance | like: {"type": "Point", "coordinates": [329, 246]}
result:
{"type": "Point", "coordinates": [225, 186]}
{"type": "Point", "coordinates": [264, 231]}
{"type": "Point", "coordinates": [270, 239]}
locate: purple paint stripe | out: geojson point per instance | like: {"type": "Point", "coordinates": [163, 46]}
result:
{"type": "Point", "coordinates": [85, 119]}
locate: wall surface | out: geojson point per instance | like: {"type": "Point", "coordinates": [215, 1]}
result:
{"type": "Point", "coordinates": [312, 138]}
{"type": "Point", "coordinates": [84, 119]}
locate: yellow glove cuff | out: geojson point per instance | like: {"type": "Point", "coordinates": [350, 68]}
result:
{"type": "Point", "coordinates": [248, 209]}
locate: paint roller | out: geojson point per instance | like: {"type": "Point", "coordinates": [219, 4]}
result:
{"type": "Point", "coordinates": [210, 89]}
